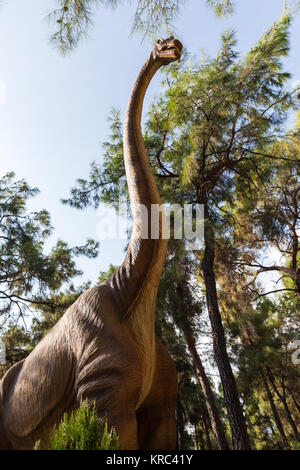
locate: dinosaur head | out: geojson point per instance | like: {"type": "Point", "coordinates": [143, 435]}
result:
{"type": "Point", "coordinates": [167, 50]}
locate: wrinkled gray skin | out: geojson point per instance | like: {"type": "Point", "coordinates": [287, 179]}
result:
{"type": "Point", "coordinates": [104, 348]}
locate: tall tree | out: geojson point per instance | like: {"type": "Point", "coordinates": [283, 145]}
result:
{"type": "Point", "coordinates": [28, 274]}
{"type": "Point", "coordinates": [177, 298]}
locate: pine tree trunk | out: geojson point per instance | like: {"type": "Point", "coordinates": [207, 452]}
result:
{"type": "Point", "coordinates": [295, 401]}
{"type": "Point", "coordinates": [236, 418]}
{"type": "Point", "coordinates": [196, 438]}
{"type": "Point", "coordinates": [285, 405]}
{"type": "Point", "coordinates": [215, 420]}
{"type": "Point", "coordinates": [275, 413]}
{"type": "Point", "coordinates": [208, 441]}
{"type": "Point", "coordinates": [290, 419]}
{"type": "Point", "coordinates": [180, 425]}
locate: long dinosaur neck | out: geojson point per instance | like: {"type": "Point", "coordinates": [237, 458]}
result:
{"type": "Point", "coordinates": [141, 184]}
{"type": "Point", "coordinates": [144, 258]}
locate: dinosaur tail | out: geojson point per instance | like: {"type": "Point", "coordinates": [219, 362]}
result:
{"type": "Point", "coordinates": [5, 383]}
{"type": "Point", "coordinates": [4, 442]}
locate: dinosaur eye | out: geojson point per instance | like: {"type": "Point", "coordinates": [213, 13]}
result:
{"type": "Point", "coordinates": [160, 41]}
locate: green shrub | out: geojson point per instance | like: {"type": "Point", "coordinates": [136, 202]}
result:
{"type": "Point", "coordinates": [81, 431]}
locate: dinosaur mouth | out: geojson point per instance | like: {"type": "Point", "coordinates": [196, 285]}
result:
{"type": "Point", "coordinates": [173, 50]}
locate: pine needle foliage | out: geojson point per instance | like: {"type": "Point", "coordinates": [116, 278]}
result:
{"type": "Point", "coordinates": [221, 7]}
{"type": "Point", "coordinates": [74, 17]}
{"type": "Point", "coordinates": [81, 431]}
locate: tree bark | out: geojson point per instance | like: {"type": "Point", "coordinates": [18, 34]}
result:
{"type": "Point", "coordinates": [240, 439]}
{"type": "Point", "coordinates": [285, 405]}
{"type": "Point", "coordinates": [215, 420]}
{"type": "Point", "coordinates": [180, 425]}
{"type": "Point", "coordinates": [295, 401]}
{"type": "Point", "coordinates": [277, 419]}
{"type": "Point", "coordinates": [208, 441]}
{"type": "Point", "coordinates": [196, 437]}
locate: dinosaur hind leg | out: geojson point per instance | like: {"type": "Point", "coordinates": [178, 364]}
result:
{"type": "Point", "coordinates": [156, 417]}
{"type": "Point", "coordinates": [4, 442]}
{"type": "Point", "coordinates": [125, 424]}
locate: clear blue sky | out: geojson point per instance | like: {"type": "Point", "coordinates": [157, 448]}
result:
{"type": "Point", "coordinates": [55, 116]}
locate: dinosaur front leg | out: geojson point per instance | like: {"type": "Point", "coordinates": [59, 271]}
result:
{"type": "Point", "coordinates": [121, 418]}
{"type": "Point", "coordinates": [125, 424]}
{"type": "Point", "coordinates": [110, 382]}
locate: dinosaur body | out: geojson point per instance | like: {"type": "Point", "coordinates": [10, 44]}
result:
{"type": "Point", "coordinates": [104, 348]}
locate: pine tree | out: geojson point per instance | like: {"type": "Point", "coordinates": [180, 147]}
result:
{"type": "Point", "coordinates": [27, 272]}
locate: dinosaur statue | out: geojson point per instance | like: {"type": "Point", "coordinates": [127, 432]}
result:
{"type": "Point", "coordinates": [104, 347]}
